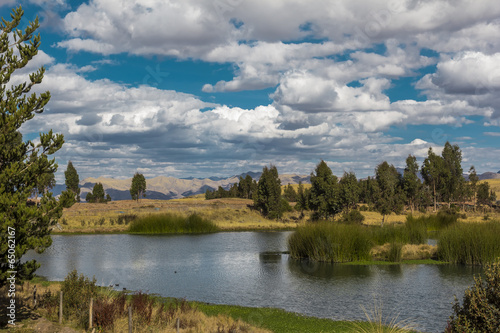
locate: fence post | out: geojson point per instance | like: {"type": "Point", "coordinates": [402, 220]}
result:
{"type": "Point", "coordinates": [91, 312]}
{"type": "Point", "coordinates": [34, 296]}
{"type": "Point", "coordinates": [60, 307]}
{"type": "Point", "coordinates": [177, 325]}
{"type": "Point", "coordinates": [129, 319]}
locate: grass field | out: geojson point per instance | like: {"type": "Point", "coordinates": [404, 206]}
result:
{"type": "Point", "coordinates": [227, 214]}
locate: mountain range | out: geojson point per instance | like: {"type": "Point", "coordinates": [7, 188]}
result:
{"type": "Point", "coordinates": [165, 188]}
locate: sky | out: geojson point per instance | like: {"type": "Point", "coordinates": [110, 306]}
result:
{"type": "Point", "coordinates": [196, 88]}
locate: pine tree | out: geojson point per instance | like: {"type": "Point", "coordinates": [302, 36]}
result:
{"type": "Point", "coordinates": [289, 193]}
{"type": "Point", "coordinates": [23, 164]}
{"type": "Point", "coordinates": [268, 195]}
{"type": "Point", "coordinates": [324, 194]}
{"type": "Point", "coordinates": [349, 190]}
{"type": "Point", "coordinates": [72, 181]}
{"type": "Point", "coordinates": [97, 195]}
{"type": "Point", "coordinates": [138, 187]}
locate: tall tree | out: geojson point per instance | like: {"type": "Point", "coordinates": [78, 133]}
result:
{"type": "Point", "coordinates": [97, 195]}
{"type": "Point", "coordinates": [138, 187]}
{"type": "Point", "coordinates": [473, 179]}
{"type": "Point", "coordinates": [302, 198]}
{"type": "Point", "coordinates": [72, 180]}
{"type": "Point", "coordinates": [23, 163]}
{"type": "Point", "coordinates": [432, 170]}
{"type": "Point", "coordinates": [268, 195]}
{"type": "Point", "coordinates": [324, 194]}
{"type": "Point", "coordinates": [411, 182]}
{"type": "Point", "coordinates": [452, 173]}
{"type": "Point", "coordinates": [389, 197]}
{"type": "Point", "coordinates": [289, 193]}
{"type": "Point", "coordinates": [349, 190]}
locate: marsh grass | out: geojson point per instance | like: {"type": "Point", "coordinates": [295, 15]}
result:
{"type": "Point", "coordinates": [434, 222]}
{"type": "Point", "coordinates": [470, 243]}
{"type": "Point", "coordinates": [172, 224]}
{"type": "Point", "coordinates": [330, 242]}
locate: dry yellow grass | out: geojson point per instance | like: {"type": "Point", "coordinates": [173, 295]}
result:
{"type": "Point", "coordinates": [228, 214]}
{"type": "Point", "coordinates": [191, 320]}
{"type": "Point", "coordinates": [408, 251]}
{"type": "Point", "coordinates": [494, 185]}
{"type": "Point", "coordinates": [375, 218]}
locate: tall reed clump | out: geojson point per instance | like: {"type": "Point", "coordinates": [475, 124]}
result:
{"type": "Point", "coordinates": [435, 222]}
{"type": "Point", "coordinates": [470, 243]}
{"type": "Point", "coordinates": [412, 232]}
{"type": "Point", "coordinates": [172, 224]}
{"type": "Point", "coordinates": [330, 242]}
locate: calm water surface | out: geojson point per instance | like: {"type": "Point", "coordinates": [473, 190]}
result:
{"type": "Point", "coordinates": [245, 268]}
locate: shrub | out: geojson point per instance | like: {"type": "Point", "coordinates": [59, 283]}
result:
{"type": "Point", "coordinates": [353, 217]}
{"type": "Point", "coordinates": [126, 219]}
{"type": "Point", "coordinates": [480, 311]}
{"type": "Point", "coordinates": [77, 291]}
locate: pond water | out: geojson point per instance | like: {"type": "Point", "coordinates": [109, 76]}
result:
{"type": "Point", "coordinates": [248, 269]}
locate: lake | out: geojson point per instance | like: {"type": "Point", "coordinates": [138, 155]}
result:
{"type": "Point", "coordinates": [248, 269]}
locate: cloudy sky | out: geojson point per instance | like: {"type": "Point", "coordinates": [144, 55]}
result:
{"type": "Point", "coordinates": [196, 88]}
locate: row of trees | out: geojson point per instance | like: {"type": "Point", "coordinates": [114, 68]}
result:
{"type": "Point", "coordinates": [438, 181]}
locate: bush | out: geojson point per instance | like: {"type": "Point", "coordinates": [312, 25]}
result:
{"type": "Point", "coordinates": [480, 311]}
{"type": "Point", "coordinates": [353, 217]}
{"type": "Point", "coordinates": [77, 291]}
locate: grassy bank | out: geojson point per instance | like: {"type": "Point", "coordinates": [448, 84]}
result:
{"type": "Point", "coordinates": [160, 314]}
{"type": "Point", "coordinates": [172, 224]}
{"type": "Point", "coordinates": [471, 243]}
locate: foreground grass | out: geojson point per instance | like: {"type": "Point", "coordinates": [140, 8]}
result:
{"type": "Point", "coordinates": [193, 316]}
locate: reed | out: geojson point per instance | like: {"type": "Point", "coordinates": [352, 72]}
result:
{"type": "Point", "coordinates": [330, 242]}
{"type": "Point", "coordinates": [409, 233]}
{"type": "Point", "coordinates": [470, 243]}
{"type": "Point", "coordinates": [435, 222]}
{"type": "Point", "coordinates": [172, 224]}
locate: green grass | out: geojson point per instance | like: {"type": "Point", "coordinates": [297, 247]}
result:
{"type": "Point", "coordinates": [172, 224]}
{"type": "Point", "coordinates": [405, 262]}
{"type": "Point", "coordinates": [276, 320]}
{"type": "Point", "coordinates": [435, 222]}
{"type": "Point", "coordinates": [333, 242]}
{"type": "Point", "coordinates": [330, 242]}
{"type": "Point", "coordinates": [470, 243]}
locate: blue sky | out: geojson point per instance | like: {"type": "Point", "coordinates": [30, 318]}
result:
{"type": "Point", "coordinates": [195, 88]}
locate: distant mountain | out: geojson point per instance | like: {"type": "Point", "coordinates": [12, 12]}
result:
{"type": "Point", "coordinates": [165, 188]}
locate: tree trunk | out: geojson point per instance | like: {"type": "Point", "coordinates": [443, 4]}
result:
{"type": "Point", "coordinates": [383, 218]}
{"type": "Point", "coordinates": [434, 197]}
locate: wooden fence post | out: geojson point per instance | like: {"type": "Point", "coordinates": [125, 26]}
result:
{"type": "Point", "coordinates": [129, 319]}
{"type": "Point", "coordinates": [34, 296]}
{"type": "Point", "coordinates": [60, 307]}
{"type": "Point", "coordinates": [91, 312]}
{"type": "Point", "coordinates": [177, 325]}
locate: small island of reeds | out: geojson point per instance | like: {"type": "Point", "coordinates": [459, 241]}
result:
{"type": "Point", "coordinates": [172, 224]}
